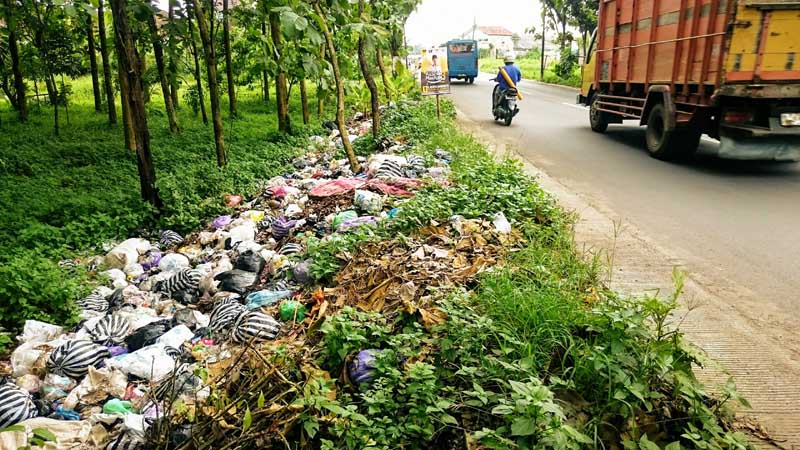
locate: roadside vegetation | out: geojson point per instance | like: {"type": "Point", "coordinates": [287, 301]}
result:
{"type": "Point", "coordinates": [535, 353]}
{"type": "Point", "coordinates": [531, 70]}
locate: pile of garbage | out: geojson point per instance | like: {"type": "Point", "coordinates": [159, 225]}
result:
{"type": "Point", "coordinates": [182, 316]}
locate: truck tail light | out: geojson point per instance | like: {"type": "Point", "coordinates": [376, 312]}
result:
{"type": "Point", "coordinates": [737, 116]}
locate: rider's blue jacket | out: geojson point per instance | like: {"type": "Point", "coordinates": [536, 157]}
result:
{"type": "Point", "coordinates": [513, 73]}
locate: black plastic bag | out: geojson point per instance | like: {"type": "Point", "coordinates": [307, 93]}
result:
{"type": "Point", "coordinates": [148, 334]}
{"type": "Point", "coordinates": [238, 281]}
{"type": "Point", "coordinates": [250, 261]}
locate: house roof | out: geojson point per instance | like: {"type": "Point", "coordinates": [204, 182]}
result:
{"type": "Point", "coordinates": [495, 31]}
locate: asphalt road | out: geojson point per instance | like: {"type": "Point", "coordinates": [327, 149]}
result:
{"type": "Point", "coordinates": [729, 220]}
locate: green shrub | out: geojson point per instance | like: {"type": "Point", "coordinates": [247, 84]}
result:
{"type": "Point", "coordinates": [34, 287]}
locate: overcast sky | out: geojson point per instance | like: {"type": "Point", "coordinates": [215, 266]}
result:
{"type": "Point", "coordinates": [437, 21]}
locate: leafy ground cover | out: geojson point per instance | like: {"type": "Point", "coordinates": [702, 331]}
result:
{"type": "Point", "coordinates": [534, 353]}
{"type": "Point", "coordinates": [531, 70]}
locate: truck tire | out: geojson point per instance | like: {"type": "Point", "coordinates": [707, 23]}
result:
{"type": "Point", "coordinates": [668, 144]}
{"type": "Point", "coordinates": [598, 120]}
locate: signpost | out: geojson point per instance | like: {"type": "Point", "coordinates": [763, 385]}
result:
{"type": "Point", "coordinates": [434, 78]}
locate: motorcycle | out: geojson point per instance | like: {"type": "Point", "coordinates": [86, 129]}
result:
{"type": "Point", "coordinates": [504, 104]}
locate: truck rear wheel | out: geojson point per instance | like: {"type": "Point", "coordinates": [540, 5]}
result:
{"type": "Point", "coordinates": [598, 120]}
{"type": "Point", "coordinates": [669, 144]}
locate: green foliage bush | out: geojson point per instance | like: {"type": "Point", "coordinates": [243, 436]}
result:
{"type": "Point", "coordinates": [34, 287]}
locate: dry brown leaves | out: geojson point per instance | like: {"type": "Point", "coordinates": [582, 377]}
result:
{"type": "Point", "coordinates": [403, 273]}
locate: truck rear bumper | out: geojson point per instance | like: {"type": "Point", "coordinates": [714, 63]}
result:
{"type": "Point", "coordinates": [773, 143]}
{"type": "Point", "coordinates": [772, 148]}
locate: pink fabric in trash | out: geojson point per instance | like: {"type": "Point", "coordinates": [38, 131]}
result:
{"type": "Point", "coordinates": [283, 191]}
{"type": "Point", "coordinates": [388, 189]}
{"type": "Point", "coordinates": [335, 187]}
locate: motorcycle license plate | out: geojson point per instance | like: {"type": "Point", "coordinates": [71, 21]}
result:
{"type": "Point", "coordinates": [790, 120]}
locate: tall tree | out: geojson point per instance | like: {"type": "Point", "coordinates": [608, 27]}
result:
{"type": "Point", "coordinates": [172, 65]}
{"type": "Point", "coordinates": [365, 71]}
{"type": "Point", "coordinates": [101, 30]}
{"type": "Point", "coordinates": [281, 88]}
{"type": "Point", "coordinates": [197, 77]}
{"type": "Point", "coordinates": [304, 101]}
{"type": "Point", "coordinates": [19, 99]}
{"type": "Point", "coordinates": [213, 86]}
{"type": "Point", "coordinates": [158, 52]}
{"type": "Point", "coordinates": [130, 68]}
{"type": "Point", "coordinates": [98, 101]}
{"type": "Point", "coordinates": [384, 75]}
{"type": "Point", "coordinates": [226, 37]}
{"type": "Point", "coordinates": [337, 74]}
{"type": "Point", "coordinates": [264, 72]}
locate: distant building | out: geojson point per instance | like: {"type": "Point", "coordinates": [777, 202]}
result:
{"type": "Point", "coordinates": [497, 39]}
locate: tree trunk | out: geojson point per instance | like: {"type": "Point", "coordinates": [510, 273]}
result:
{"type": "Point", "coordinates": [130, 69]}
{"type": "Point", "coordinates": [541, 58]}
{"type": "Point", "coordinates": [172, 66]}
{"type": "Point", "coordinates": [19, 82]}
{"type": "Point", "coordinates": [101, 29]}
{"type": "Point", "coordinates": [384, 75]}
{"type": "Point", "coordinates": [158, 51]}
{"type": "Point", "coordinates": [373, 89]}
{"type": "Point", "coordinates": [127, 125]}
{"type": "Point", "coordinates": [18, 100]}
{"type": "Point", "coordinates": [213, 87]}
{"type": "Point", "coordinates": [348, 147]}
{"type": "Point", "coordinates": [197, 76]}
{"type": "Point", "coordinates": [304, 101]}
{"type": "Point", "coordinates": [98, 101]}
{"type": "Point", "coordinates": [54, 102]}
{"type": "Point", "coordinates": [264, 73]}
{"type": "Point", "coordinates": [226, 32]}
{"type": "Point", "coordinates": [281, 88]}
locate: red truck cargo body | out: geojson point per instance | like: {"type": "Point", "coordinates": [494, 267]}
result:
{"type": "Point", "coordinates": [726, 68]}
{"type": "Point", "coordinates": [684, 47]}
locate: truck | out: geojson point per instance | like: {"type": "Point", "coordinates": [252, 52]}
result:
{"type": "Point", "coordinates": [462, 59]}
{"type": "Point", "coordinates": [729, 69]}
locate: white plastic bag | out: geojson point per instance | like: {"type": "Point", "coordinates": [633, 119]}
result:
{"type": "Point", "coordinates": [126, 253]}
{"type": "Point", "coordinates": [37, 332]}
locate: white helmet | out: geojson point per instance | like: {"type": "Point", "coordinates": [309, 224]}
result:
{"type": "Point", "coordinates": [509, 58]}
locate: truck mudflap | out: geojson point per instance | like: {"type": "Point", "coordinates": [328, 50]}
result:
{"type": "Point", "coordinates": [776, 148]}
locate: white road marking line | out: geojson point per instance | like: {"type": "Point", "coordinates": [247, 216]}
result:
{"type": "Point", "coordinates": [574, 105]}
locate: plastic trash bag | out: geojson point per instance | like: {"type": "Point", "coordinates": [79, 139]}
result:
{"type": "Point", "coordinates": [38, 332]}
{"type": "Point", "coordinates": [169, 238]}
{"type": "Point", "coordinates": [238, 281]}
{"type": "Point", "coordinates": [342, 217]}
{"type": "Point", "coordinates": [109, 330]}
{"type": "Point", "coordinates": [281, 227]}
{"type": "Point", "coordinates": [221, 222]}
{"type": "Point", "coordinates": [73, 358]}
{"type": "Point", "coordinates": [265, 298]}
{"type": "Point", "coordinates": [361, 369]}
{"type": "Point", "coordinates": [250, 261]}
{"type": "Point", "coordinates": [117, 406]}
{"type": "Point", "coordinates": [369, 202]}
{"type": "Point", "coordinates": [173, 262]}
{"type": "Point", "coordinates": [16, 405]}
{"type": "Point", "coordinates": [126, 253]}
{"type": "Point", "coordinates": [148, 334]}
{"type": "Point", "coordinates": [176, 336]}
{"type": "Point", "coordinates": [224, 314]}
{"type": "Point", "coordinates": [148, 363]}
{"type": "Point", "coordinates": [29, 382]}
{"type": "Point", "coordinates": [292, 310]}
{"type": "Point", "coordinates": [98, 385]}
{"type": "Point", "coordinates": [501, 224]}
{"type": "Point", "coordinates": [357, 222]}
{"type": "Point", "coordinates": [255, 326]}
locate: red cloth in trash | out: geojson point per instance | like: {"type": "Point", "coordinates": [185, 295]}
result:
{"type": "Point", "coordinates": [335, 187]}
{"type": "Point", "coordinates": [388, 189]}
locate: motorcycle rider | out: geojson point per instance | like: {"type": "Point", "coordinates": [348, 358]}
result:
{"type": "Point", "coordinates": [513, 72]}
